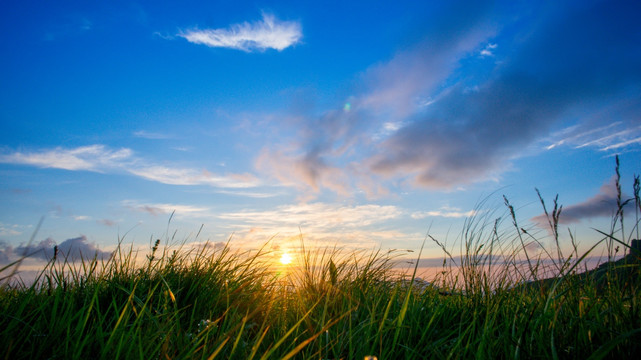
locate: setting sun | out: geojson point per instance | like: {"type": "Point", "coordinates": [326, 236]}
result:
{"type": "Point", "coordinates": [286, 259]}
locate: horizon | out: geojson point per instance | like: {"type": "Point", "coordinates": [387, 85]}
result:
{"type": "Point", "coordinates": [357, 125]}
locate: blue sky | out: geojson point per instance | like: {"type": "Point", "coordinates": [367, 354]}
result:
{"type": "Point", "coordinates": [363, 125]}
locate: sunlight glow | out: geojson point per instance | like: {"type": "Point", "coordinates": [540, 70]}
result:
{"type": "Point", "coordinates": [286, 259]}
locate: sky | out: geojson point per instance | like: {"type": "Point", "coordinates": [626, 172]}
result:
{"type": "Point", "coordinates": [359, 124]}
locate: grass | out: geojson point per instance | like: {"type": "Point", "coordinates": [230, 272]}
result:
{"type": "Point", "coordinates": [212, 303]}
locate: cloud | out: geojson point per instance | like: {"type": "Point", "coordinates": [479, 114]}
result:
{"type": "Point", "coordinates": [106, 222]}
{"type": "Point", "coordinates": [166, 209]}
{"type": "Point", "coordinates": [99, 158]}
{"type": "Point", "coordinates": [400, 85]}
{"type": "Point", "coordinates": [599, 131]}
{"type": "Point", "coordinates": [460, 123]}
{"type": "Point", "coordinates": [10, 230]}
{"type": "Point", "coordinates": [468, 135]}
{"type": "Point", "coordinates": [270, 33]}
{"type": "Point", "coordinates": [185, 176]}
{"type": "Point", "coordinates": [326, 150]}
{"type": "Point", "coordinates": [91, 158]}
{"type": "Point", "coordinates": [445, 212]}
{"type": "Point", "coordinates": [318, 215]}
{"type": "Point", "coordinates": [249, 194]}
{"type": "Point", "coordinates": [71, 26]}
{"type": "Point", "coordinates": [358, 226]}
{"type": "Point", "coordinates": [302, 170]}
{"type": "Point", "coordinates": [151, 135]}
{"type": "Point", "coordinates": [603, 204]}
{"type": "Point", "coordinates": [73, 249]}
{"type": "Point", "coordinates": [488, 50]}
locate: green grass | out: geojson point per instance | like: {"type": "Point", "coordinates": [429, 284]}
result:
{"type": "Point", "coordinates": [213, 303]}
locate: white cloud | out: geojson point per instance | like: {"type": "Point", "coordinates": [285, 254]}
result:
{"type": "Point", "coordinates": [185, 176]}
{"type": "Point", "coordinates": [10, 230]}
{"type": "Point", "coordinates": [165, 209]}
{"type": "Point", "coordinates": [151, 135]}
{"type": "Point", "coordinates": [250, 194]}
{"type": "Point", "coordinates": [317, 215]}
{"type": "Point", "coordinates": [622, 144]}
{"type": "Point", "coordinates": [444, 212]}
{"type": "Point", "coordinates": [602, 141]}
{"type": "Point", "coordinates": [91, 158]}
{"type": "Point", "coordinates": [604, 138]}
{"type": "Point", "coordinates": [99, 158]}
{"type": "Point", "coordinates": [319, 224]}
{"type": "Point", "coordinates": [487, 51]}
{"type": "Point", "coordinates": [270, 33]}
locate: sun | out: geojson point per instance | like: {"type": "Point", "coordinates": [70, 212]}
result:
{"type": "Point", "coordinates": [286, 259]}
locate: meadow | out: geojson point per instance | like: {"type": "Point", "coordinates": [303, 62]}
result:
{"type": "Point", "coordinates": [504, 300]}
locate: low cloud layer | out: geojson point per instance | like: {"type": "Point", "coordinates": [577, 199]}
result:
{"type": "Point", "coordinates": [74, 249]}
{"type": "Point", "coordinates": [269, 33]}
{"type": "Point", "coordinates": [603, 204]}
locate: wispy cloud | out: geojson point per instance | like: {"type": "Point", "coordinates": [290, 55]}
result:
{"type": "Point", "coordinates": [308, 170]}
{"type": "Point", "coordinates": [151, 135]}
{"type": "Point", "coordinates": [187, 176]}
{"type": "Point", "coordinates": [445, 212]}
{"type": "Point", "coordinates": [318, 222]}
{"type": "Point", "coordinates": [606, 138]}
{"type": "Point", "coordinates": [99, 158]}
{"type": "Point", "coordinates": [400, 86]}
{"type": "Point", "coordinates": [250, 194]}
{"type": "Point", "coordinates": [73, 26]}
{"type": "Point", "coordinates": [318, 215]}
{"type": "Point", "coordinates": [92, 158]}
{"type": "Point", "coordinates": [107, 222]}
{"type": "Point", "coordinates": [10, 229]}
{"type": "Point", "coordinates": [269, 33]}
{"type": "Point", "coordinates": [488, 50]}
{"type": "Point", "coordinates": [166, 209]}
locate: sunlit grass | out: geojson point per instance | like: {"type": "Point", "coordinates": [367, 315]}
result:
{"type": "Point", "coordinates": [212, 302]}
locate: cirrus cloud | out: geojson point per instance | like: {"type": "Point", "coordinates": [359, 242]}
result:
{"type": "Point", "coordinates": [90, 158]}
{"type": "Point", "coordinates": [269, 33]}
{"type": "Point", "coordinates": [102, 159]}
